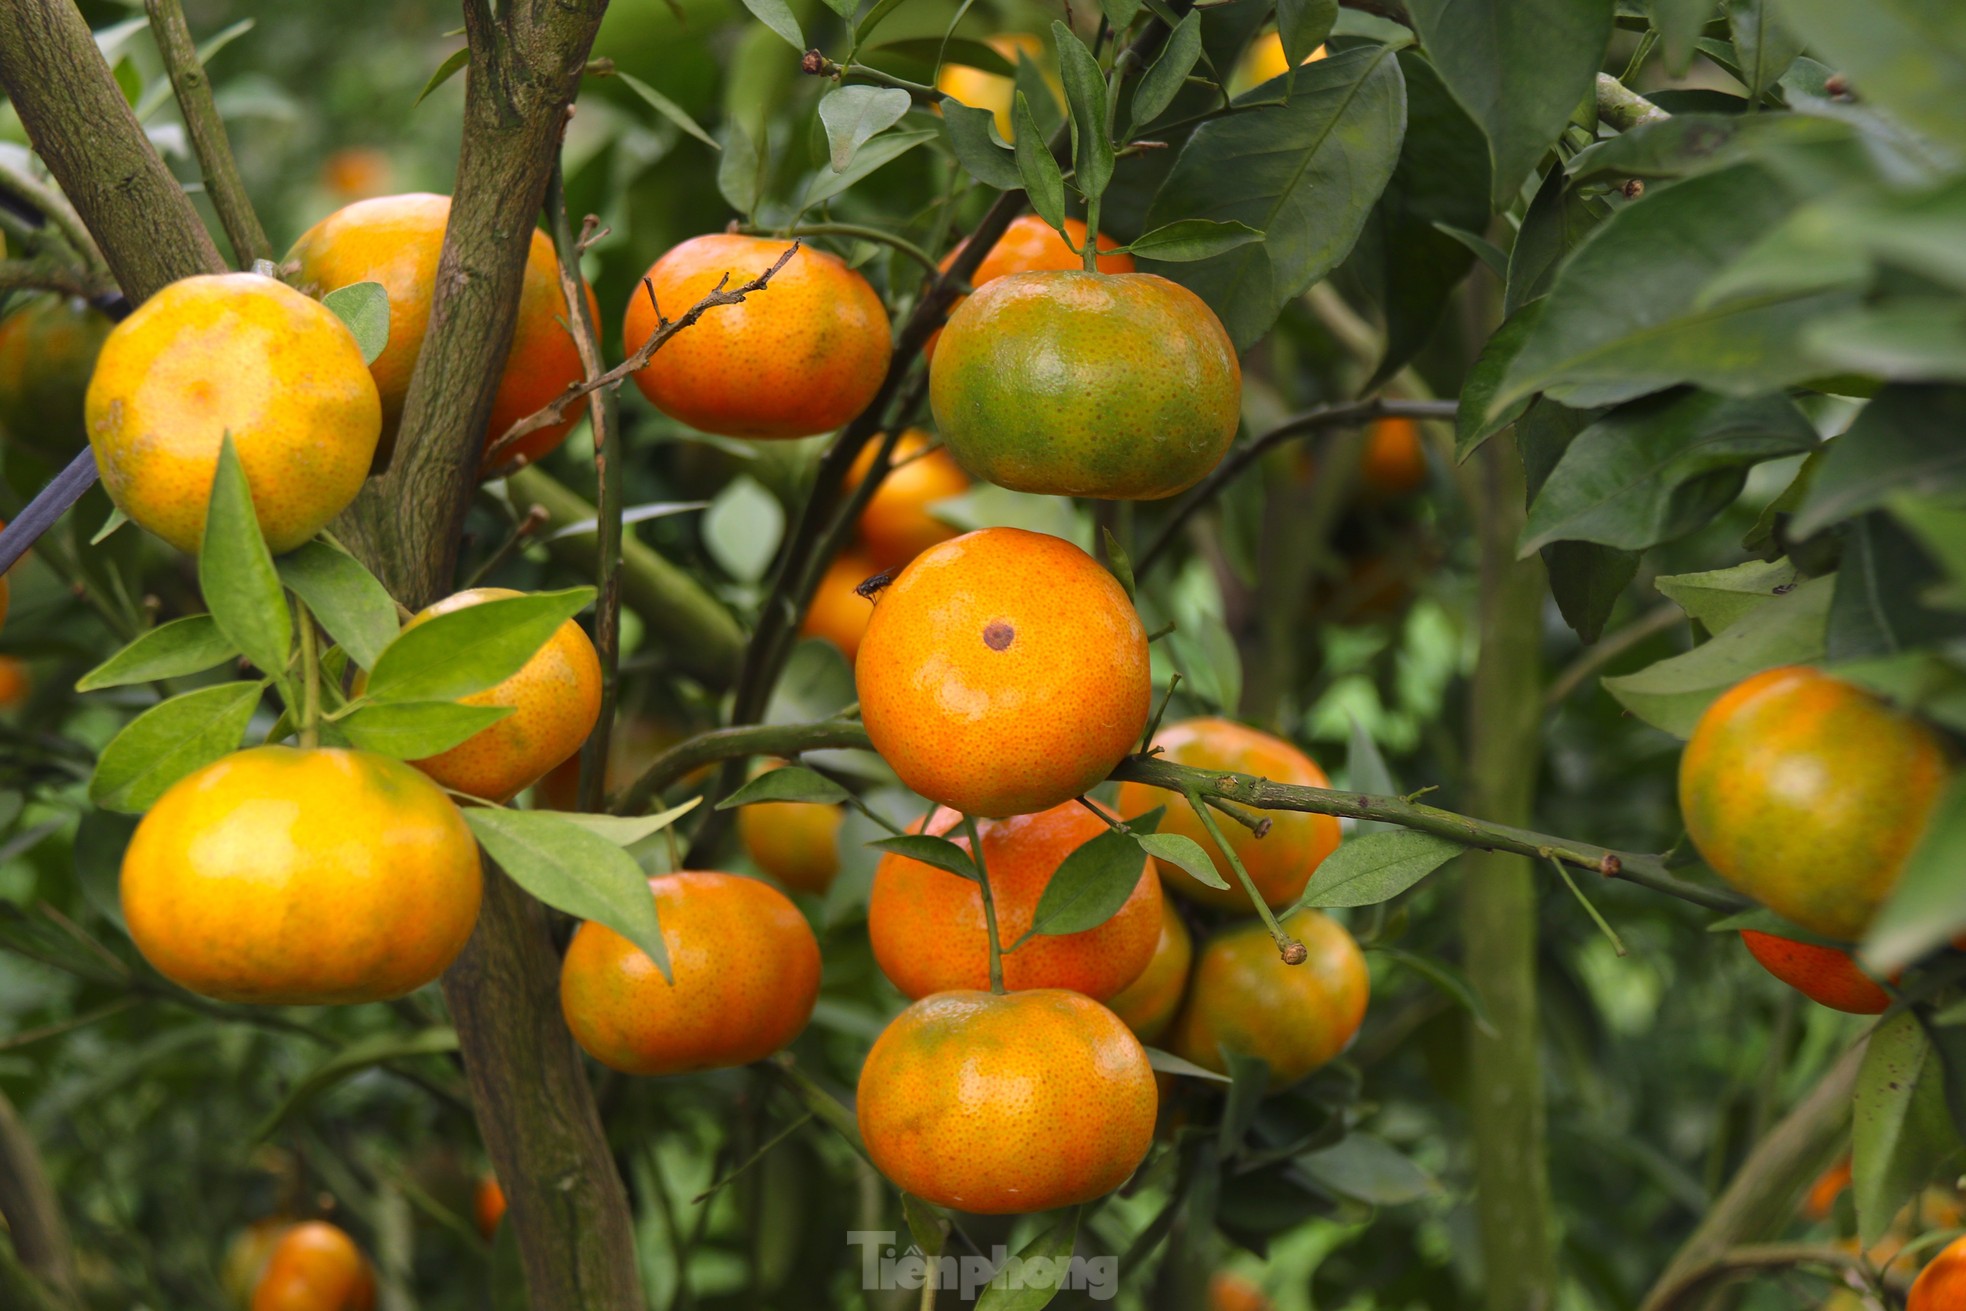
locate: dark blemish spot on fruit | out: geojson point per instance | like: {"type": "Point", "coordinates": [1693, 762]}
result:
{"type": "Point", "coordinates": [997, 634]}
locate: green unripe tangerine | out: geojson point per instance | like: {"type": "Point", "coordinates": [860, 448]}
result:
{"type": "Point", "coordinates": [1120, 386]}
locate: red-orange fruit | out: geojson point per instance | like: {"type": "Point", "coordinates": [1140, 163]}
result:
{"type": "Point", "coordinates": [315, 1267]}
{"type": "Point", "coordinates": [1822, 974]}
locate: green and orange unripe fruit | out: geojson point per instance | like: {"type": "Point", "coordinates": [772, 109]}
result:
{"type": "Point", "coordinates": [48, 348]}
{"type": "Point", "coordinates": [1243, 998]}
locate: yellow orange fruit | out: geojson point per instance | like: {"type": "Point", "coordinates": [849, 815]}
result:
{"type": "Point", "coordinates": [302, 877]}
{"type": "Point", "coordinates": [245, 1259]}
{"type": "Point", "coordinates": [927, 925]}
{"type": "Point", "coordinates": [802, 356]}
{"type": "Point", "coordinates": [396, 241]}
{"type": "Point", "coordinates": [1279, 864]}
{"type": "Point", "coordinates": [1015, 1103]}
{"type": "Point", "coordinates": [48, 348]}
{"type": "Point", "coordinates": [796, 842]}
{"type": "Point", "coordinates": [1003, 672]}
{"type": "Point", "coordinates": [1123, 386]}
{"type": "Point", "coordinates": [992, 91]}
{"type": "Point", "coordinates": [746, 968]}
{"type": "Point", "coordinates": [1394, 461]}
{"type": "Point", "coordinates": [1808, 794]}
{"type": "Point", "coordinates": [315, 1267]}
{"type": "Point", "coordinates": [1263, 61]}
{"type": "Point", "coordinates": [1149, 1004]}
{"type": "Point", "coordinates": [556, 700]}
{"type": "Point", "coordinates": [1229, 1291]}
{"type": "Point", "coordinates": [487, 1206]}
{"type": "Point", "coordinates": [1941, 1285]}
{"type": "Point", "coordinates": [898, 524]}
{"type": "Point", "coordinates": [1822, 974]}
{"type": "Point", "coordinates": [240, 354]}
{"type": "Point", "coordinates": [15, 682]}
{"type": "Point", "coordinates": [356, 172]}
{"type": "Point", "coordinates": [1244, 999]}
{"type": "Point", "coordinates": [838, 613]}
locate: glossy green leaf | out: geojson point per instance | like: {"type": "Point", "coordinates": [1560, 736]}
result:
{"type": "Point", "coordinates": [1559, 220]}
{"type": "Point", "coordinates": [1303, 25]}
{"type": "Point", "coordinates": [742, 528]}
{"type": "Point", "coordinates": [1908, 56]}
{"type": "Point", "coordinates": [1366, 870]}
{"type": "Point", "coordinates": [940, 853]}
{"type": "Point", "coordinates": [740, 169]}
{"type": "Point", "coordinates": [1050, 1251]}
{"type": "Point", "coordinates": [971, 132]}
{"type": "Point", "coordinates": [1474, 423]}
{"type": "Point", "coordinates": [853, 115]}
{"type": "Point", "coordinates": [787, 783]}
{"type": "Point", "coordinates": [451, 66]}
{"type": "Point", "coordinates": [363, 308]}
{"type": "Point", "coordinates": [1166, 76]}
{"type": "Point", "coordinates": [1908, 338]}
{"type": "Point", "coordinates": [236, 574]}
{"type": "Point", "coordinates": [1686, 144]}
{"type": "Point", "coordinates": [1369, 1169]}
{"type": "Point", "coordinates": [168, 741]}
{"type": "Point", "coordinates": [1679, 23]}
{"type": "Point", "coordinates": [628, 830]}
{"type": "Point", "coordinates": [1044, 182]}
{"type": "Point", "coordinates": [1586, 578]}
{"type": "Point", "coordinates": [414, 730]}
{"type": "Point", "coordinates": [1906, 441]}
{"type": "Point", "coordinates": [573, 870]}
{"type": "Point", "coordinates": [1169, 1063]}
{"type": "Point", "coordinates": [1186, 240]}
{"type": "Point", "coordinates": [1901, 1135]}
{"type": "Point", "coordinates": [777, 15]}
{"type": "Point", "coordinates": [1089, 885]}
{"type": "Point", "coordinates": [876, 154]}
{"type": "Point", "coordinates": [1717, 598]}
{"type": "Point", "coordinates": [1085, 97]}
{"type": "Point", "coordinates": [1763, 45]}
{"type": "Point", "coordinates": [1305, 173]}
{"type": "Point", "coordinates": [468, 650]}
{"type": "Point", "coordinates": [360, 1055]}
{"type": "Point", "coordinates": [354, 608]}
{"type": "Point", "coordinates": [668, 108]}
{"type": "Point", "coordinates": [1185, 854]}
{"type": "Point", "coordinates": [1927, 908]}
{"type": "Point", "coordinates": [1882, 581]}
{"type": "Point", "coordinates": [1519, 67]}
{"type": "Point", "coordinates": [1366, 771]}
{"type": "Point", "coordinates": [182, 646]}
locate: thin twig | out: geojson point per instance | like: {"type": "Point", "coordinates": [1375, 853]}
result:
{"type": "Point", "coordinates": [535, 518]}
{"type": "Point", "coordinates": [223, 185]}
{"type": "Point", "coordinates": [47, 275]}
{"type": "Point", "coordinates": [556, 409]}
{"type": "Point", "coordinates": [54, 207]}
{"type": "Point", "coordinates": [1596, 656]}
{"type": "Point", "coordinates": [1745, 1260]}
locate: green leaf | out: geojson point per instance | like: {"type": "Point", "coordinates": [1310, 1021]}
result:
{"type": "Point", "coordinates": [1207, 657]}
{"type": "Point", "coordinates": [740, 169]}
{"type": "Point", "coordinates": [1303, 25]}
{"type": "Point", "coordinates": [1788, 630]}
{"type": "Point", "coordinates": [876, 154]}
{"type": "Point", "coordinates": [940, 53]}
{"type": "Point", "coordinates": [1368, 1169]}
{"type": "Point", "coordinates": [787, 783]}
{"type": "Point", "coordinates": [1185, 854]}
{"type": "Point", "coordinates": [1622, 318]}
{"type": "Point", "coordinates": [852, 115]}
{"type": "Point", "coordinates": [346, 598]}
{"type": "Point", "coordinates": [1085, 97]}
{"type": "Point", "coordinates": [168, 741]}
{"type": "Point", "coordinates": [777, 15]}
{"type": "Point", "coordinates": [1906, 441]}
{"type": "Point", "coordinates": [1443, 976]}
{"type": "Point", "coordinates": [574, 870]}
{"type": "Point", "coordinates": [1366, 771]}
{"type": "Point", "coordinates": [1686, 144]}
{"type": "Point", "coordinates": [1365, 871]}
{"type": "Point", "coordinates": [1882, 581]}
{"type": "Point", "coordinates": [1186, 240]}
{"type": "Point", "coordinates": [415, 730]}
{"type": "Point", "coordinates": [363, 307]}
{"type": "Point", "coordinates": [1120, 13]}
{"type": "Point", "coordinates": [1118, 561]}
{"type": "Point", "coordinates": [1586, 578]}
{"type": "Point", "coordinates": [1089, 885]}
{"type": "Point", "coordinates": [668, 108]}
{"type": "Point", "coordinates": [742, 528]}
{"type": "Point", "coordinates": [1901, 1135]}
{"type": "Point", "coordinates": [236, 574]}
{"type": "Point", "coordinates": [1519, 67]}
{"type": "Point", "coordinates": [1909, 338]}
{"type": "Point", "coordinates": [1169, 1063]}
{"type": "Point", "coordinates": [1908, 56]}
{"type": "Point", "coordinates": [628, 830]}
{"type": "Point", "coordinates": [1249, 1080]}
{"type": "Point", "coordinates": [971, 136]}
{"type": "Point", "coordinates": [1559, 219]}
{"type": "Point", "coordinates": [1718, 598]}
{"type": "Point", "coordinates": [1659, 468]}
{"type": "Point", "coordinates": [359, 1055]}
{"type": "Point", "coordinates": [1048, 1254]}
{"type": "Point", "coordinates": [468, 650]}
{"type": "Point", "coordinates": [1679, 23]}
{"type": "Point", "coordinates": [1165, 78]}
{"type": "Point", "coordinates": [1044, 183]}
{"type": "Point", "coordinates": [182, 646]}
{"type": "Point", "coordinates": [1473, 421]}
{"type": "Point", "coordinates": [445, 71]}
{"type": "Point", "coordinates": [940, 853]}
{"type": "Point", "coordinates": [1763, 45]}
{"type": "Point", "coordinates": [1305, 173]}
{"type": "Point", "coordinates": [1927, 908]}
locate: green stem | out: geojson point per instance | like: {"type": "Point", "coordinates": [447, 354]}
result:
{"type": "Point", "coordinates": [858, 231]}
{"type": "Point", "coordinates": [825, 1107]}
{"type": "Point", "coordinates": [989, 905]}
{"type": "Point", "coordinates": [1288, 947]}
{"type": "Point", "coordinates": [309, 718]}
{"type": "Point", "coordinates": [1624, 108]}
{"type": "Point", "coordinates": [1590, 908]}
{"type": "Point", "coordinates": [223, 185]}
{"type": "Point", "coordinates": [738, 744]}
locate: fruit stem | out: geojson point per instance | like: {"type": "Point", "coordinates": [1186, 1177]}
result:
{"type": "Point", "coordinates": [1603, 925]}
{"type": "Point", "coordinates": [1289, 948]}
{"type": "Point", "coordinates": [989, 905]}
{"type": "Point", "coordinates": [310, 676]}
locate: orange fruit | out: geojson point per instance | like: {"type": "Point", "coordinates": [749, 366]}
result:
{"type": "Point", "coordinates": [1000, 1104]}
{"type": "Point", "coordinates": [747, 974]}
{"type": "Point", "coordinates": [487, 1206]}
{"type": "Point", "coordinates": [1279, 864]}
{"type": "Point", "coordinates": [1394, 461]}
{"type": "Point", "coordinates": [1263, 61]}
{"type": "Point", "coordinates": [1822, 974]}
{"type": "Point", "coordinates": [1028, 245]}
{"type": "Point", "coordinates": [246, 1257]}
{"type": "Point", "coordinates": [796, 842]}
{"type": "Point", "coordinates": [48, 348]}
{"type": "Point", "coordinates": [15, 683]}
{"type": "Point", "coordinates": [556, 700]}
{"type": "Point", "coordinates": [634, 742]}
{"type": "Point", "coordinates": [993, 91]}
{"type": "Point", "coordinates": [1149, 1003]}
{"type": "Point", "coordinates": [1296, 1017]}
{"type": "Point", "coordinates": [302, 877]}
{"type": "Point", "coordinates": [1808, 794]}
{"type": "Point", "coordinates": [1003, 672]}
{"type": "Point", "coordinates": [1941, 1285]}
{"type": "Point", "coordinates": [396, 241]}
{"type": "Point", "coordinates": [1123, 386]}
{"type": "Point", "coordinates": [839, 614]}
{"type": "Point", "coordinates": [927, 925]}
{"type": "Point", "coordinates": [1229, 1291]}
{"type": "Point", "coordinates": [315, 1267]}
{"type": "Point", "coordinates": [356, 173]}
{"type": "Point", "coordinates": [803, 356]}
{"type": "Point", "coordinates": [241, 354]}
{"type": "Point", "coordinates": [1830, 1185]}
{"type": "Point", "coordinates": [897, 524]}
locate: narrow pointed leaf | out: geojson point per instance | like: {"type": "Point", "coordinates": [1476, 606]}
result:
{"type": "Point", "coordinates": [182, 646]}
{"type": "Point", "coordinates": [236, 574]}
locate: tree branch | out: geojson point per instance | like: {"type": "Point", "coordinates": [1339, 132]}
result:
{"type": "Point", "coordinates": [46, 275]}
{"type": "Point", "coordinates": [207, 132]}
{"type": "Point", "coordinates": [1736, 1262]}
{"type": "Point", "coordinates": [27, 1203]}
{"type": "Point", "coordinates": [1623, 108]}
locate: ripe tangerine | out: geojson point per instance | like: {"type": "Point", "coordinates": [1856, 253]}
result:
{"type": "Point", "coordinates": [1295, 1017]}
{"type": "Point", "coordinates": [1149, 1004]}
{"type": "Point", "coordinates": [796, 842]}
{"type": "Point", "coordinates": [1822, 974]}
{"type": "Point", "coordinates": [315, 1266]}
{"type": "Point", "coordinates": [897, 524]}
{"type": "Point", "coordinates": [838, 613]}
{"type": "Point", "coordinates": [1941, 1285]}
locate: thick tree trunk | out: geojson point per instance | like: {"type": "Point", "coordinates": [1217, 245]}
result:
{"type": "Point", "coordinates": [1506, 1103]}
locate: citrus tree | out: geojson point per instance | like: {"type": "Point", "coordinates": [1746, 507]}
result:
{"type": "Point", "coordinates": [849, 819]}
